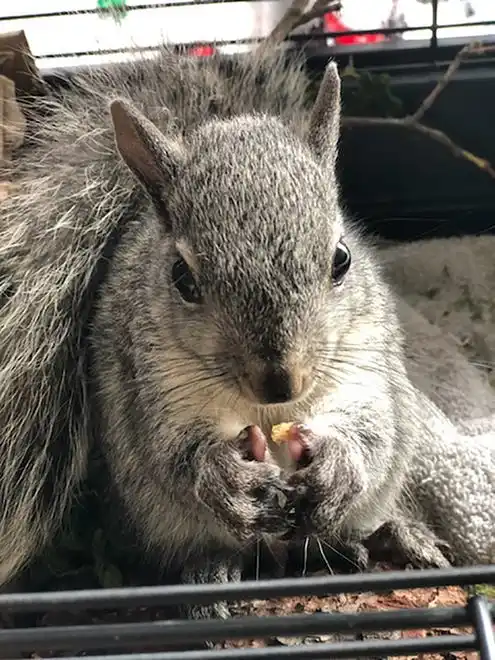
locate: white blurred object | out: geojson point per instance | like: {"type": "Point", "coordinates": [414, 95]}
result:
{"type": "Point", "coordinates": [418, 12]}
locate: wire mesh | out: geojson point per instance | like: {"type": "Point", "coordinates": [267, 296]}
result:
{"type": "Point", "coordinates": [123, 641]}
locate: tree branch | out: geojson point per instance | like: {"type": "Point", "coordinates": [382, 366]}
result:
{"type": "Point", "coordinates": [296, 16]}
{"type": "Point", "coordinates": [414, 121]}
{"type": "Point", "coordinates": [319, 9]}
{"type": "Point", "coordinates": [468, 51]}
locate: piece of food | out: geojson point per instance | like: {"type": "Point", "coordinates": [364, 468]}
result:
{"type": "Point", "coordinates": [281, 432]}
{"type": "Point", "coordinates": [295, 437]}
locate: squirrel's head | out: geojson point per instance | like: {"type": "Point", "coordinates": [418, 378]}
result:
{"type": "Point", "coordinates": [250, 262]}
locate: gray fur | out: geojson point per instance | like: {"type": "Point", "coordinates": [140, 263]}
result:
{"type": "Point", "coordinates": [97, 346]}
{"type": "Point", "coordinates": [448, 314]}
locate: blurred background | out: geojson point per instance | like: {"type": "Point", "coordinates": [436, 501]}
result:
{"type": "Point", "coordinates": [401, 183]}
{"type": "Point", "coordinates": [62, 33]}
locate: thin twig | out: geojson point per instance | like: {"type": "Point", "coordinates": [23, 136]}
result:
{"type": "Point", "coordinates": [432, 133]}
{"type": "Point", "coordinates": [414, 120]}
{"type": "Point", "coordinates": [319, 9]}
{"type": "Point", "coordinates": [296, 16]}
{"type": "Point", "coordinates": [468, 51]}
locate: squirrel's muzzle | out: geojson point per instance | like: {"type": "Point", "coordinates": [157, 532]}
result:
{"type": "Point", "coordinates": [278, 384]}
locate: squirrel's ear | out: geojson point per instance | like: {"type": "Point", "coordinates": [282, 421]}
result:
{"type": "Point", "coordinates": [150, 155]}
{"type": "Point", "coordinates": [324, 123]}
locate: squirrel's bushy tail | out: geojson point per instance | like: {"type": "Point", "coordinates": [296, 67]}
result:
{"type": "Point", "coordinates": [72, 198]}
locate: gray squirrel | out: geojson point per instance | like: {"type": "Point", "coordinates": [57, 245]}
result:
{"type": "Point", "coordinates": [176, 266]}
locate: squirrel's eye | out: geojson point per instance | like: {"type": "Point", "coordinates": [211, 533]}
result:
{"type": "Point", "coordinates": [185, 283]}
{"type": "Point", "coordinates": [341, 263]}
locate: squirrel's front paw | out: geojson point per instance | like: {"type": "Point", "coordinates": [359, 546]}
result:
{"type": "Point", "coordinates": [326, 484]}
{"type": "Point", "coordinates": [417, 543]}
{"type": "Point", "coordinates": [210, 571]}
{"type": "Point", "coordinates": [244, 487]}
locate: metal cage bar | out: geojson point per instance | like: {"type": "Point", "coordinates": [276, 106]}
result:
{"type": "Point", "coordinates": [122, 635]}
{"type": "Point", "coordinates": [97, 638]}
{"type": "Point", "coordinates": [480, 613]}
{"type": "Point", "coordinates": [325, 651]}
{"type": "Point", "coordinates": [259, 589]}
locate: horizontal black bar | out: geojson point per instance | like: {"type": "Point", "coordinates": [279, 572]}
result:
{"type": "Point", "coordinates": [404, 56]}
{"type": "Point", "coordinates": [185, 3]}
{"type": "Point", "coordinates": [259, 589]}
{"type": "Point", "coordinates": [224, 42]}
{"type": "Point", "coordinates": [154, 5]}
{"type": "Point", "coordinates": [107, 51]}
{"type": "Point", "coordinates": [314, 37]}
{"type": "Point", "coordinates": [413, 28]}
{"type": "Point", "coordinates": [378, 647]}
{"type": "Point", "coordinates": [172, 632]}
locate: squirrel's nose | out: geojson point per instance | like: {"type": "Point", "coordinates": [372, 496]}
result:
{"type": "Point", "coordinates": [280, 385]}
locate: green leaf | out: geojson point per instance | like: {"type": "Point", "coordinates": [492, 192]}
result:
{"type": "Point", "coordinates": [117, 9]}
{"type": "Point", "coordinates": [487, 590]}
{"type": "Point", "coordinates": [111, 4]}
{"type": "Point", "coordinates": [368, 94]}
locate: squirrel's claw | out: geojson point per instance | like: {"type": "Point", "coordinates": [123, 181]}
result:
{"type": "Point", "coordinates": [417, 543]}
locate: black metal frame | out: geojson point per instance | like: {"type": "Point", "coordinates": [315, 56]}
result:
{"type": "Point", "coordinates": [112, 638]}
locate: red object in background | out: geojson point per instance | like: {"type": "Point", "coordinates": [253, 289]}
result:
{"type": "Point", "coordinates": [201, 50]}
{"type": "Point", "coordinates": [332, 23]}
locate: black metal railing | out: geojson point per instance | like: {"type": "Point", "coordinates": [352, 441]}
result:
{"type": "Point", "coordinates": [122, 641]}
{"type": "Point", "coordinates": [433, 44]}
